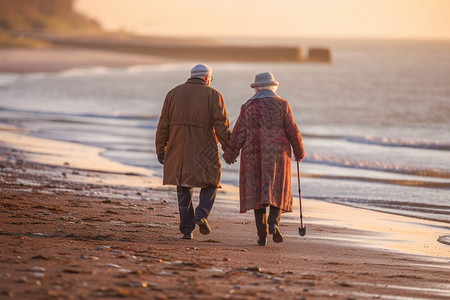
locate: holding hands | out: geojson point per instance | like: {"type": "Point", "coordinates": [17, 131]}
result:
{"type": "Point", "coordinates": [227, 156]}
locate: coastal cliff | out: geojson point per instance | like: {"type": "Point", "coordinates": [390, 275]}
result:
{"type": "Point", "coordinates": [54, 15]}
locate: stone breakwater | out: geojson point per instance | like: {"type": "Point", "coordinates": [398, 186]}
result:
{"type": "Point", "coordinates": [184, 49]}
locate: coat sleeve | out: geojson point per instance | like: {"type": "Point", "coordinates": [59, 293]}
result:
{"type": "Point", "coordinates": [237, 139]}
{"type": "Point", "coordinates": [162, 132]}
{"type": "Point", "coordinates": [221, 123]}
{"type": "Point", "coordinates": [293, 134]}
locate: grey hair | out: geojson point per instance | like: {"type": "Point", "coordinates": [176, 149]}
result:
{"type": "Point", "coordinates": [273, 88]}
{"type": "Point", "coordinates": [201, 76]}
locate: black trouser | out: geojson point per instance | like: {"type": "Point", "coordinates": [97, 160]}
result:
{"type": "Point", "coordinates": [262, 221]}
{"type": "Point", "coordinates": [187, 216]}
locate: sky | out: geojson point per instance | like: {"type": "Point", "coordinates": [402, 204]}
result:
{"type": "Point", "coordinates": [385, 19]}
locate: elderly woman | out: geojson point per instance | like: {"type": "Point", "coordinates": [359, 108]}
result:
{"type": "Point", "coordinates": [264, 134]}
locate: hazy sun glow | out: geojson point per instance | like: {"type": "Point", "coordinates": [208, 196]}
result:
{"type": "Point", "coordinates": [413, 19]}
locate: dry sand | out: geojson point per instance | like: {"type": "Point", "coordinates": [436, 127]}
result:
{"type": "Point", "coordinates": [77, 226]}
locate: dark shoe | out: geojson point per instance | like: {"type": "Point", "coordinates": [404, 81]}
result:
{"type": "Point", "coordinates": [188, 236]}
{"type": "Point", "coordinates": [203, 225]}
{"type": "Point", "coordinates": [262, 241]}
{"type": "Point", "coordinates": [277, 236]}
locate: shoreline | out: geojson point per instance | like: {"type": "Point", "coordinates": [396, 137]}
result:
{"type": "Point", "coordinates": [423, 240]}
{"type": "Point", "coordinates": [57, 59]}
{"type": "Point", "coordinates": [125, 228]}
{"type": "Point", "coordinates": [186, 49]}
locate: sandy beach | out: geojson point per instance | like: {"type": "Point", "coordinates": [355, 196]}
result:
{"type": "Point", "coordinates": [78, 226]}
{"type": "Point", "coordinates": [74, 232]}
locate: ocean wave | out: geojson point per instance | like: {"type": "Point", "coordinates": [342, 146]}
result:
{"type": "Point", "coordinates": [375, 166]}
{"type": "Point", "coordinates": [410, 183]}
{"type": "Point", "coordinates": [164, 67]}
{"type": "Point", "coordinates": [140, 69]}
{"type": "Point", "coordinates": [395, 142]}
{"type": "Point", "coordinates": [115, 115]}
{"type": "Point", "coordinates": [323, 136]}
{"type": "Point", "coordinates": [384, 141]}
{"type": "Point", "coordinates": [411, 209]}
{"type": "Point", "coordinates": [8, 78]}
{"type": "Point", "coordinates": [426, 207]}
{"type": "Point", "coordinates": [98, 70]}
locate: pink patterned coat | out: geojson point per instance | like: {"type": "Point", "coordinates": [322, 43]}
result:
{"type": "Point", "coordinates": [264, 134]}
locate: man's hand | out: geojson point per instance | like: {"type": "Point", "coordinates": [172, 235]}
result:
{"type": "Point", "coordinates": [161, 158]}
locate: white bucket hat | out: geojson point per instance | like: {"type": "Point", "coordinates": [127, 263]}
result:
{"type": "Point", "coordinates": [264, 79]}
{"type": "Point", "coordinates": [201, 70]}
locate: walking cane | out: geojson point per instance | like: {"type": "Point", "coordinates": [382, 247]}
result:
{"type": "Point", "coordinates": [301, 229]}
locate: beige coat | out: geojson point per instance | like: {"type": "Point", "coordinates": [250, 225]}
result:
{"type": "Point", "coordinates": [193, 119]}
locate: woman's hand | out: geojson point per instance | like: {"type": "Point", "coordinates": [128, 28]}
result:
{"type": "Point", "coordinates": [227, 157]}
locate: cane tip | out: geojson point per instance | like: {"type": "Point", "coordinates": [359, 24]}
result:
{"type": "Point", "coordinates": [302, 231]}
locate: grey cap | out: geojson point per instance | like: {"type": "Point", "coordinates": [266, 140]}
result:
{"type": "Point", "coordinates": [201, 70]}
{"type": "Point", "coordinates": [264, 79]}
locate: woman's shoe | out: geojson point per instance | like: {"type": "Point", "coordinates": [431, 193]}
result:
{"type": "Point", "coordinates": [277, 236]}
{"type": "Point", "coordinates": [262, 241]}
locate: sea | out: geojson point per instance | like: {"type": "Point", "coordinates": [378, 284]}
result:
{"type": "Point", "coordinates": [375, 122]}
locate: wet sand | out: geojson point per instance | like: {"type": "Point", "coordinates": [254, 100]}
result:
{"type": "Point", "coordinates": [72, 230]}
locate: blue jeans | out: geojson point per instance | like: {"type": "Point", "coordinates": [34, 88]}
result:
{"type": "Point", "coordinates": [187, 215]}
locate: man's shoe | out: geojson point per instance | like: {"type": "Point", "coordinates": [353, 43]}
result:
{"type": "Point", "coordinates": [262, 241]}
{"type": "Point", "coordinates": [188, 236]}
{"type": "Point", "coordinates": [277, 236]}
{"type": "Point", "coordinates": [203, 225]}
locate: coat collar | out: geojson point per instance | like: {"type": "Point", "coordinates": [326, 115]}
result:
{"type": "Point", "coordinates": [265, 94]}
{"type": "Point", "coordinates": [196, 81]}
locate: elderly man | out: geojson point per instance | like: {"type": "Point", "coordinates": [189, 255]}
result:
{"type": "Point", "coordinates": [193, 119]}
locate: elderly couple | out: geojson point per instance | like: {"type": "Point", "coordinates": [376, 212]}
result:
{"type": "Point", "coordinates": [194, 119]}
